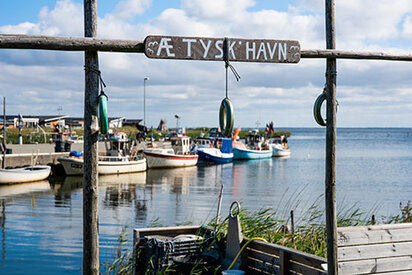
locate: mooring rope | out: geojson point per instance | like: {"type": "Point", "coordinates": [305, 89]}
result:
{"type": "Point", "coordinates": [99, 74]}
{"type": "Point", "coordinates": [228, 65]}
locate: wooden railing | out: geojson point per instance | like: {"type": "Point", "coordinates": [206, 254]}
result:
{"type": "Point", "coordinates": [257, 258]}
{"type": "Point", "coordinates": [267, 258]}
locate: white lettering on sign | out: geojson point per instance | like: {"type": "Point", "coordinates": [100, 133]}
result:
{"type": "Point", "coordinates": [189, 46]}
{"type": "Point", "coordinates": [271, 51]}
{"type": "Point", "coordinates": [262, 50]}
{"type": "Point", "coordinates": [282, 51]}
{"type": "Point", "coordinates": [219, 45]}
{"type": "Point", "coordinates": [164, 44]}
{"type": "Point", "coordinates": [231, 51]}
{"type": "Point", "coordinates": [248, 50]}
{"type": "Point", "coordinates": [205, 47]}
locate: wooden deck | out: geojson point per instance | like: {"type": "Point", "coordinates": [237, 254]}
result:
{"type": "Point", "coordinates": [375, 249]}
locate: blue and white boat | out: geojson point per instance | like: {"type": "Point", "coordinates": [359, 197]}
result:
{"type": "Point", "coordinates": [216, 150]}
{"type": "Point", "coordinates": [255, 147]}
{"type": "Point", "coordinates": [246, 153]}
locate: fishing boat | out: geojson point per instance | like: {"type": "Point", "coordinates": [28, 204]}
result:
{"type": "Point", "coordinates": [215, 150]}
{"type": "Point", "coordinates": [120, 158]}
{"type": "Point", "coordinates": [179, 155]}
{"type": "Point", "coordinates": [254, 147]}
{"type": "Point", "coordinates": [279, 146]}
{"type": "Point", "coordinates": [25, 174]}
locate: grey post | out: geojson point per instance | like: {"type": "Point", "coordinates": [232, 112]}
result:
{"type": "Point", "coordinates": [3, 163]}
{"type": "Point", "coordinates": [91, 133]}
{"type": "Point", "coordinates": [330, 173]}
{"type": "Point", "coordinates": [144, 100]}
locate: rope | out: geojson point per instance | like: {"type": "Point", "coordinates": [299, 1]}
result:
{"type": "Point", "coordinates": [228, 65]}
{"type": "Point", "coordinates": [99, 74]}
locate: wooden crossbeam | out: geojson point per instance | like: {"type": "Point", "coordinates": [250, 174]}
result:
{"type": "Point", "coordinates": [35, 42]}
{"type": "Point", "coordinates": [354, 55]}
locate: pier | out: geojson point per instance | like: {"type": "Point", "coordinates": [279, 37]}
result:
{"type": "Point", "coordinates": [44, 154]}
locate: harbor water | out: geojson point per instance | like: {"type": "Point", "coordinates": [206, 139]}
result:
{"type": "Point", "coordinates": [41, 223]}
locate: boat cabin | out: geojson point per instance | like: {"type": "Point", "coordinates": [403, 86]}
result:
{"type": "Point", "coordinates": [253, 140]}
{"type": "Point", "coordinates": [224, 144]}
{"type": "Point", "coordinates": [181, 145]}
{"type": "Point", "coordinates": [204, 142]}
{"type": "Point", "coordinates": [282, 140]}
{"type": "Point", "coordinates": [118, 146]}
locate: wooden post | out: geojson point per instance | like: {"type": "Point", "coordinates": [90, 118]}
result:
{"type": "Point", "coordinates": [284, 262]}
{"type": "Point", "coordinates": [330, 173]}
{"type": "Point", "coordinates": [90, 179]}
{"type": "Point", "coordinates": [3, 163]}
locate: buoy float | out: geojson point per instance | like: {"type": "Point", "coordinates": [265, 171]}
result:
{"type": "Point", "coordinates": [226, 117]}
{"type": "Point", "coordinates": [317, 107]}
{"type": "Point", "coordinates": [103, 119]}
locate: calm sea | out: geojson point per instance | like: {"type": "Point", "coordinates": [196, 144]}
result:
{"type": "Point", "coordinates": [41, 223]}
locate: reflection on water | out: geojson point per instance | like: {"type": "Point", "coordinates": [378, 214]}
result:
{"type": "Point", "coordinates": [21, 189]}
{"type": "Point", "coordinates": [178, 179]}
{"type": "Point", "coordinates": [122, 190]}
{"type": "Point", "coordinates": [41, 223]}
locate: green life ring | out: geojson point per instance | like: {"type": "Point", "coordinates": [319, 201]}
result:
{"type": "Point", "coordinates": [103, 118]}
{"type": "Point", "coordinates": [226, 117]}
{"type": "Point", "coordinates": [317, 107]}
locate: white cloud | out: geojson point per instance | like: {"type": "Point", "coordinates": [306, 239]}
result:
{"type": "Point", "coordinates": [129, 8]}
{"type": "Point", "coordinates": [279, 92]}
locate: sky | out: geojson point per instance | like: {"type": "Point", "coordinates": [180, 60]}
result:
{"type": "Point", "coordinates": [369, 93]}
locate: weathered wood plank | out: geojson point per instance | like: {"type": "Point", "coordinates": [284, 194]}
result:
{"type": "Point", "coordinates": [262, 267]}
{"type": "Point", "coordinates": [374, 236]}
{"type": "Point", "coordinates": [330, 158]}
{"type": "Point", "coordinates": [377, 265]}
{"type": "Point", "coordinates": [284, 262]}
{"type": "Point", "coordinates": [303, 269]}
{"type": "Point", "coordinates": [329, 53]}
{"type": "Point", "coordinates": [374, 251]}
{"type": "Point", "coordinates": [294, 255]}
{"type": "Point", "coordinates": [375, 227]}
{"type": "Point", "coordinates": [397, 273]}
{"type": "Point", "coordinates": [208, 48]}
{"type": "Point", "coordinates": [35, 42]}
{"type": "Point", "coordinates": [252, 270]}
{"type": "Point", "coordinates": [142, 232]}
{"type": "Point", "coordinates": [256, 254]}
{"type": "Point", "coordinates": [90, 180]}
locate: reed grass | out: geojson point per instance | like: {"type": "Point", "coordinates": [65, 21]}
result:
{"type": "Point", "coordinates": [309, 234]}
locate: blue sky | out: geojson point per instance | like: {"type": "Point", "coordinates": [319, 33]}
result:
{"type": "Point", "coordinates": [370, 93]}
{"type": "Point", "coordinates": [17, 11]}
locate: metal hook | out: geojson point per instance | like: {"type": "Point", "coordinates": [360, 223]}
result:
{"type": "Point", "coordinates": [232, 211]}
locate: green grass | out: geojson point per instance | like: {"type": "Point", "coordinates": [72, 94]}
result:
{"type": "Point", "coordinates": [309, 234]}
{"type": "Point", "coordinates": [13, 133]}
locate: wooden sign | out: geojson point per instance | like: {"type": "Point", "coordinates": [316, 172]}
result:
{"type": "Point", "coordinates": [203, 48]}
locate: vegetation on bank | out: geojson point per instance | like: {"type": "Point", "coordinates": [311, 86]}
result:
{"type": "Point", "coordinates": [31, 135]}
{"type": "Point", "coordinates": [309, 235]}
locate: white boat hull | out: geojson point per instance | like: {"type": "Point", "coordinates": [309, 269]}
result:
{"type": "Point", "coordinates": [159, 160]}
{"type": "Point", "coordinates": [74, 166]}
{"type": "Point", "coordinates": [279, 151]}
{"type": "Point", "coordinates": [26, 174]}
